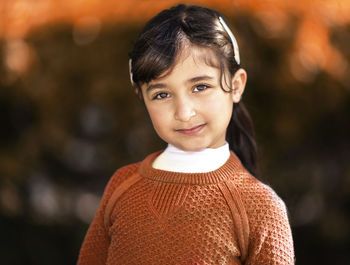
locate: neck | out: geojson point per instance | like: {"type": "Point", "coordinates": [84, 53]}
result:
{"type": "Point", "coordinates": [205, 160]}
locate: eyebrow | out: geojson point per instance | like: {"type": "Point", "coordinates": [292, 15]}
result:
{"type": "Point", "coordinates": [200, 78]}
{"type": "Point", "coordinates": [191, 80]}
{"type": "Point", "coordinates": [155, 86]}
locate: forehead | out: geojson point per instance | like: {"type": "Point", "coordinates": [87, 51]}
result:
{"type": "Point", "coordinates": [200, 54]}
{"type": "Point", "coordinates": [191, 58]}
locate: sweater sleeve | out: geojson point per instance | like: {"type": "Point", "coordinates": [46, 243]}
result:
{"type": "Point", "coordinates": [95, 246]}
{"type": "Point", "coordinates": [270, 238]}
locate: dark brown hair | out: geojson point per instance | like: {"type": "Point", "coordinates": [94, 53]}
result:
{"type": "Point", "coordinates": [158, 46]}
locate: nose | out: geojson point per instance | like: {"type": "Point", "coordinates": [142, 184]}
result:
{"type": "Point", "coordinates": [184, 109]}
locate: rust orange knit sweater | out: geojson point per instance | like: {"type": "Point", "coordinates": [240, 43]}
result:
{"type": "Point", "coordinates": [150, 216]}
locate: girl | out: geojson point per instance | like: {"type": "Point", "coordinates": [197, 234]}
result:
{"type": "Point", "coordinates": [198, 201]}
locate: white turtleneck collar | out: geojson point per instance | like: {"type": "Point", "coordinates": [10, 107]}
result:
{"type": "Point", "coordinates": [205, 160]}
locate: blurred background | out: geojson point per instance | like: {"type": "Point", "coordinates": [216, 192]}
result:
{"type": "Point", "coordinates": [69, 117]}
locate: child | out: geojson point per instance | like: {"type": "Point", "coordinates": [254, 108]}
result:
{"type": "Point", "coordinates": [198, 201]}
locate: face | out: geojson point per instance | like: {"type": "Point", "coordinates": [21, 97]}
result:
{"type": "Point", "coordinates": [187, 105]}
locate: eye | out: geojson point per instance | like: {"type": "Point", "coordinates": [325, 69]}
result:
{"type": "Point", "coordinates": [161, 95]}
{"type": "Point", "coordinates": [200, 87]}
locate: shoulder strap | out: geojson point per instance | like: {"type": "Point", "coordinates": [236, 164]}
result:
{"type": "Point", "coordinates": [125, 185]}
{"type": "Point", "coordinates": [239, 216]}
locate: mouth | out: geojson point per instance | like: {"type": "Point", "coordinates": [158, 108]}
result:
{"type": "Point", "coordinates": [191, 131]}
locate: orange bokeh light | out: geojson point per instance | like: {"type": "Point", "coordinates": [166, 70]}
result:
{"type": "Point", "coordinates": [312, 44]}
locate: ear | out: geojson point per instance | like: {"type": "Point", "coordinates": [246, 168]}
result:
{"type": "Point", "coordinates": [239, 81]}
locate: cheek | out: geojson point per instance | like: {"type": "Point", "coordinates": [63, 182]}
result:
{"type": "Point", "coordinates": [219, 106]}
{"type": "Point", "coordinates": [159, 118]}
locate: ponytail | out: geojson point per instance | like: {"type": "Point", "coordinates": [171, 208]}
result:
{"type": "Point", "coordinates": [241, 138]}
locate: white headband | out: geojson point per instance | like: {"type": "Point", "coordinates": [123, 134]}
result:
{"type": "Point", "coordinates": [233, 39]}
{"type": "Point", "coordinates": [130, 73]}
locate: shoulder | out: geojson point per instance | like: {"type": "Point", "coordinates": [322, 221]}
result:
{"type": "Point", "coordinates": [124, 173]}
{"type": "Point", "coordinates": [267, 195]}
{"type": "Point", "coordinates": [120, 175]}
{"type": "Point", "coordinates": [262, 204]}
{"type": "Point", "coordinates": [270, 235]}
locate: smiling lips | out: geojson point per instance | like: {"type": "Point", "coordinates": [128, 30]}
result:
{"type": "Point", "coordinates": [191, 131]}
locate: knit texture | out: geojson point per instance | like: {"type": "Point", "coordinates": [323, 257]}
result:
{"type": "Point", "coordinates": [150, 216]}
